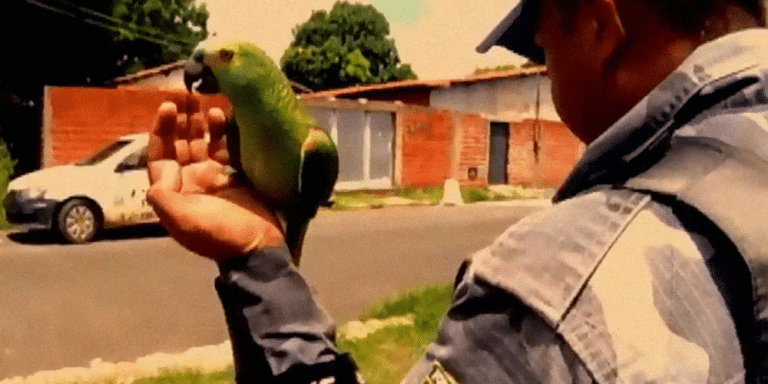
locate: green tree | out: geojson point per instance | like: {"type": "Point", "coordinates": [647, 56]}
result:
{"type": "Point", "coordinates": [156, 32]}
{"type": "Point", "coordinates": [81, 43]}
{"type": "Point", "coordinates": [347, 46]}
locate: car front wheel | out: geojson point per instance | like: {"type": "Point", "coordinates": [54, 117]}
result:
{"type": "Point", "coordinates": [78, 221]}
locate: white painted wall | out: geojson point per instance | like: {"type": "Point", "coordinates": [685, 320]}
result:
{"type": "Point", "coordinates": [363, 152]}
{"type": "Point", "coordinates": [502, 100]}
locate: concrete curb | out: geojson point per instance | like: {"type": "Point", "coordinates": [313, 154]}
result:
{"type": "Point", "coordinates": [205, 359]}
{"type": "Point", "coordinates": [542, 203]}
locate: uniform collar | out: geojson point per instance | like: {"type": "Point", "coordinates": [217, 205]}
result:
{"type": "Point", "coordinates": [710, 74]}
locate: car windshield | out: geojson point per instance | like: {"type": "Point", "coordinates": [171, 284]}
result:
{"type": "Point", "coordinates": [104, 152]}
{"type": "Point", "coordinates": [136, 160]}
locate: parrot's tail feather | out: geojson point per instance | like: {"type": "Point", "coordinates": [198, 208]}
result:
{"type": "Point", "coordinates": [295, 231]}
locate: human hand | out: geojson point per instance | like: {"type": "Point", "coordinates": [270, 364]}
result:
{"type": "Point", "coordinates": [203, 207]}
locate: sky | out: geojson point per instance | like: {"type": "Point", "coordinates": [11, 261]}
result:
{"type": "Point", "coordinates": [437, 37]}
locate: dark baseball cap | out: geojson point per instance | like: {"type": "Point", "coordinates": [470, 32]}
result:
{"type": "Point", "coordinates": [516, 32]}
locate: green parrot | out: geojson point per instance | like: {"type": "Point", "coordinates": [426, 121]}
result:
{"type": "Point", "coordinates": [291, 163]}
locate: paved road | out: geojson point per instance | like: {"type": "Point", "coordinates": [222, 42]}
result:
{"type": "Point", "coordinates": [137, 292]}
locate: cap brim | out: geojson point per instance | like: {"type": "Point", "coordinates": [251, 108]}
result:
{"type": "Point", "coordinates": [516, 32]}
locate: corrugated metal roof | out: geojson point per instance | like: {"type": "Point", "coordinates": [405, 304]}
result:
{"type": "Point", "coordinates": [429, 84]}
{"type": "Point", "coordinates": [503, 74]}
{"type": "Point", "coordinates": [163, 69]}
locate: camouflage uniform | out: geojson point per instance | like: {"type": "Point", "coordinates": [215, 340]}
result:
{"type": "Point", "coordinates": [648, 269]}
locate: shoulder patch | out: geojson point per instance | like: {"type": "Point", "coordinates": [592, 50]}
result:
{"type": "Point", "coordinates": [438, 375]}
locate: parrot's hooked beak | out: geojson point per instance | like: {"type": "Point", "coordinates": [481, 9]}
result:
{"type": "Point", "coordinates": [199, 76]}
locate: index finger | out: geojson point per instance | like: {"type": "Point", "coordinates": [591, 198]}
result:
{"type": "Point", "coordinates": [163, 134]}
{"type": "Point", "coordinates": [217, 146]}
{"type": "Point", "coordinates": [161, 151]}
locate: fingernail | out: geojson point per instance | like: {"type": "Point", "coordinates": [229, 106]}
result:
{"type": "Point", "coordinates": [168, 106]}
{"type": "Point", "coordinates": [216, 112]}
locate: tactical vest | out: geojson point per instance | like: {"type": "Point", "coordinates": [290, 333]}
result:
{"type": "Point", "coordinates": [728, 185]}
{"type": "Point", "coordinates": [717, 174]}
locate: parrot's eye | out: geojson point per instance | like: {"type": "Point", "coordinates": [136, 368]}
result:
{"type": "Point", "coordinates": [226, 55]}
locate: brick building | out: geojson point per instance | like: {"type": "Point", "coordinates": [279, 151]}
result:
{"type": "Point", "coordinates": [514, 135]}
{"type": "Point", "coordinates": [486, 129]}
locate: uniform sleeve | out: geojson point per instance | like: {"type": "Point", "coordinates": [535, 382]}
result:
{"type": "Point", "coordinates": [279, 333]}
{"type": "Point", "coordinates": [653, 309]}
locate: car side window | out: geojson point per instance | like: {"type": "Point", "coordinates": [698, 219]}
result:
{"type": "Point", "coordinates": [134, 161]}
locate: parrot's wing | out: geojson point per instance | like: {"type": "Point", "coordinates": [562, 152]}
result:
{"type": "Point", "coordinates": [232, 131]}
{"type": "Point", "coordinates": [319, 170]}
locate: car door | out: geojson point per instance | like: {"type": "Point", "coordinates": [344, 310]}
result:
{"type": "Point", "coordinates": [131, 195]}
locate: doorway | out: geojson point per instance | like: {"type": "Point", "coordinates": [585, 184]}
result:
{"type": "Point", "coordinates": [498, 153]}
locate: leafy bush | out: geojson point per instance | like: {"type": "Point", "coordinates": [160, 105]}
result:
{"type": "Point", "coordinates": [6, 170]}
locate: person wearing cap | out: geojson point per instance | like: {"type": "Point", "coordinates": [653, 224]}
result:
{"type": "Point", "coordinates": [651, 266]}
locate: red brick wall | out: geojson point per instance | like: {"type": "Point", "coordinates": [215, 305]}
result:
{"type": "Point", "coordinates": [558, 152]}
{"type": "Point", "coordinates": [426, 146]}
{"type": "Point", "coordinates": [433, 144]}
{"type": "Point", "coordinates": [80, 120]}
{"type": "Point", "coordinates": [473, 148]}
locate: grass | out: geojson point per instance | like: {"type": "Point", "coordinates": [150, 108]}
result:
{"type": "Point", "coordinates": [347, 201]}
{"type": "Point", "coordinates": [431, 195]}
{"type": "Point", "coordinates": [354, 200]}
{"type": "Point", "coordinates": [475, 194]}
{"type": "Point", "coordinates": [427, 304]}
{"type": "Point", "coordinates": [383, 357]}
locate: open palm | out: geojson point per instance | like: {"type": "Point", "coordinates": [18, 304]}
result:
{"type": "Point", "coordinates": [191, 188]}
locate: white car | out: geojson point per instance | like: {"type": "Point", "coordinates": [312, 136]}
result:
{"type": "Point", "coordinates": [105, 190]}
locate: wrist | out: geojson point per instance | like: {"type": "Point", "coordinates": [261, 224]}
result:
{"type": "Point", "coordinates": [265, 261]}
{"type": "Point", "coordinates": [269, 237]}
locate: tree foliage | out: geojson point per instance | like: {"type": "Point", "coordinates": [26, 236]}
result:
{"type": "Point", "coordinates": [155, 32]}
{"type": "Point", "coordinates": [81, 43]}
{"type": "Point", "coordinates": [6, 170]}
{"type": "Point", "coordinates": [347, 46]}
{"type": "Point", "coordinates": [6, 167]}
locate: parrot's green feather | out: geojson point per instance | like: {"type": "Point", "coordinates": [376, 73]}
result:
{"type": "Point", "coordinates": [290, 162]}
